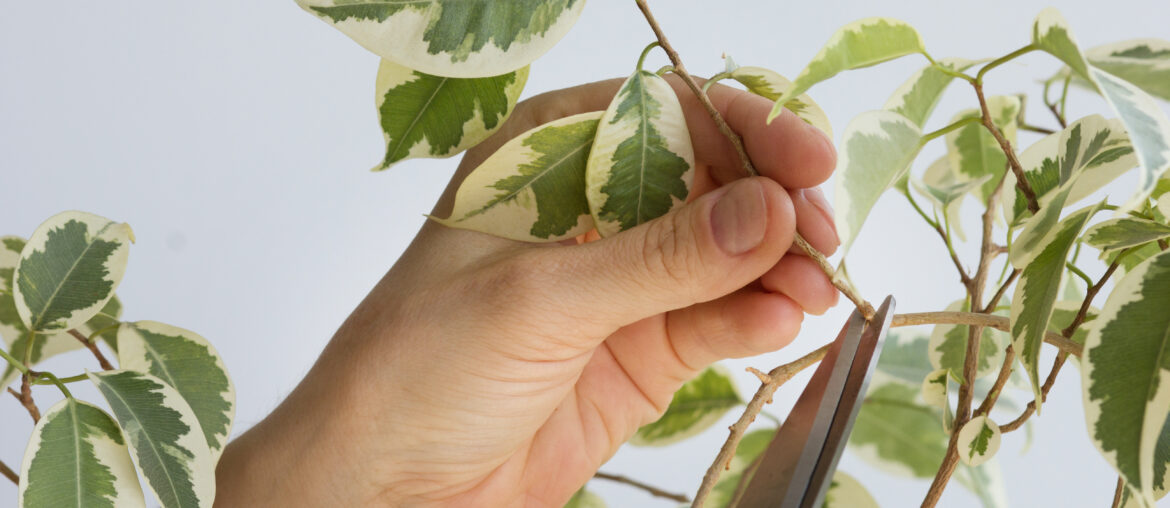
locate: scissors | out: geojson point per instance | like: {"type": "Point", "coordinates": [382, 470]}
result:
{"type": "Point", "coordinates": [797, 468]}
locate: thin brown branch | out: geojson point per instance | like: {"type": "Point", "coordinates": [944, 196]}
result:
{"type": "Point", "coordinates": [650, 489]}
{"type": "Point", "coordinates": [9, 473]}
{"type": "Point", "coordinates": [1014, 163]}
{"type": "Point", "coordinates": [1048, 384]}
{"type": "Point", "coordinates": [1089, 294]}
{"type": "Point", "coordinates": [777, 376]}
{"type": "Point", "coordinates": [92, 346]}
{"type": "Point", "coordinates": [1056, 113]}
{"type": "Point", "coordinates": [973, 318]}
{"type": "Point", "coordinates": [1036, 129]}
{"type": "Point", "coordinates": [26, 399]}
{"type": "Point", "coordinates": [746, 161]}
{"type": "Point", "coordinates": [1005, 372]}
{"type": "Point", "coordinates": [991, 304]}
{"type": "Point", "coordinates": [1118, 492]}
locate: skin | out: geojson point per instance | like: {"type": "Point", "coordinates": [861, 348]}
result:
{"type": "Point", "coordinates": [487, 372]}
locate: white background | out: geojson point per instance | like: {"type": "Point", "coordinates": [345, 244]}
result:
{"type": "Point", "coordinates": [235, 138]}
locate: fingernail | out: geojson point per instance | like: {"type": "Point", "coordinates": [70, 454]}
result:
{"type": "Point", "coordinates": [815, 196]}
{"type": "Point", "coordinates": [739, 220]}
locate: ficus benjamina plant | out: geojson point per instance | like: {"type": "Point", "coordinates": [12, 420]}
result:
{"type": "Point", "coordinates": [450, 75]}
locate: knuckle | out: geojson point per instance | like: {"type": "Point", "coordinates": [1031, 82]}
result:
{"type": "Point", "coordinates": [672, 255]}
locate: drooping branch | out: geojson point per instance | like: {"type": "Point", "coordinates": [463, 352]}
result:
{"type": "Point", "coordinates": [776, 377]}
{"type": "Point", "coordinates": [92, 346]}
{"type": "Point", "coordinates": [9, 473]}
{"type": "Point", "coordinates": [749, 168]}
{"type": "Point", "coordinates": [650, 489]}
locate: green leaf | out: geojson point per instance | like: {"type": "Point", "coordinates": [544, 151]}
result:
{"type": "Point", "coordinates": [189, 364]}
{"type": "Point", "coordinates": [700, 403]}
{"type": "Point", "coordinates": [642, 160]}
{"type": "Point", "coordinates": [423, 115]}
{"type": "Point", "coordinates": [859, 44]}
{"type": "Point", "coordinates": [585, 499]}
{"type": "Point", "coordinates": [771, 85]}
{"type": "Point", "coordinates": [77, 457]}
{"type": "Point", "coordinates": [1088, 154]}
{"type": "Point", "coordinates": [1125, 232]}
{"type": "Point", "coordinates": [1125, 364]}
{"type": "Point", "coordinates": [1143, 62]}
{"type": "Point", "coordinates": [973, 152]}
{"type": "Point", "coordinates": [877, 150]}
{"type": "Point", "coordinates": [69, 270]}
{"type": "Point", "coordinates": [50, 345]}
{"type": "Point", "coordinates": [978, 441]}
{"type": "Point", "coordinates": [164, 437]}
{"type": "Point", "coordinates": [456, 38]}
{"type": "Point", "coordinates": [918, 96]}
{"type": "Point", "coordinates": [846, 492]}
{"type": "Point", "coordinates": [948, 347]}
{"type": "Point", "coordinates": [533, 188]}
{"type": "Point", "coordinates": [1037, 291]}
{"type": "Point", "coordinates": [895, 432]}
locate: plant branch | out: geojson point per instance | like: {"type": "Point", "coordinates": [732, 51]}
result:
{"type": "Point", "coordinates": [1005, 372]}
{"type": "Point", "coordinates": [1036, 129]}
{"type": "Point", "coordinates": [650, 489]}
{"type": "Point", "coordinates": [979, 319]}
{"type": "Point", "coordinates": [776, 377]}
{"type": "Point", "coordinates": [1031, 408]}
{"type": "Point", "coordinates": [745, 159]}
{"type": "Point", "coordinates": [8, 473]}
{"type": "Point", "coordinates": [92, 346]}
{"type": "Point", "coordinates": [1014, 163]}
{"type": "Point", "coordinates": [1004, 59]}
{"type": "Point", "coordinates": [1118, 491]}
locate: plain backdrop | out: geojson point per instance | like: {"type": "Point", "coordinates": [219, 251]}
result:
{"type": "Point", "coordinates": [235, 137]}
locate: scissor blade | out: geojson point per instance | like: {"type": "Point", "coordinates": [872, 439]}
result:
{"type": "Point", "coordinates": [852, 395]}
{"type": "Point", "coordinates": [789, 460]}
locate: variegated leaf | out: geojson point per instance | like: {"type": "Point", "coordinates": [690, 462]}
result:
{"type": "Point", "coordinates": [936, 393]}
{"type": "Point", "coordinates": [642, 161]}
{"type": "Point", "coordinates": [77, 457]}
{"type": "Point", "coordinates": [903, 359]}
{"type": "Point", "coordinates": [69, 270]}
{"type": "Point", "coordinates": [918, 96]}
{"type": "Point", "coordinates": [1089, 153]}
{"type": "Point", "coordinates": [896, 433]}
{"type": "Point", "coordinates": [423, 115]}
{"type": "Point", "coordinates": [1063, 314]}
{"type": "Point", "coordinates": [948, 347]}
{"type": "Point", "coordinates": [698, 404]}
{"type": "Point", "coordinates": [585, 499]}
{"type": "Point", "coordinates": [1148, 126]}
{"type": "Point", "coordinates": [1125, 232]}
{"type": "Point", "coordinates": [986, 482]}
{"type": "Point", "coordinates": [49, 345]}
{"type": "Point", "coordinates": [846, 492]}
{"type": "Point", "coordinates": [533, 188]}
{"type": "Point", "coordinates": [941, 184]}
{"type": "Point", "coordinates": [973, 152]}
{"type": "Point", "coordinates": [189, 364]}
{"type": "Point", "coordinates": [877, 150]}
{"type": "Point", "coordinates": [1164, 204]}
{"type": "Point", "coordinates": [11, 327]}
{"type": "Point", "coordinates": [1126, 377]}
{"type": "Point", "coordinates": [771, 85]}
{"type": "Point", "coordinates": [1143, 62]}
{"type": "Point", "coordinates": [1092, 152]}
{"type": "Point", "coordinates": [164, 437]}
{"type": "Point", "coordinates": [456, 38]}
{"type": "Point", "coordinates": [1037, 291]}
{"type": "Point", "coordinates": [978, 441]}
{"type": "Point", "coordinates": [859, 44]}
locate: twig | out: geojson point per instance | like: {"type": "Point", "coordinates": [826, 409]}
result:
{"type": "Point", "coordinates": [1117, 492]}
{"type": "Point", "coordinates": [974, 318]}
{"type": "Point", "coordinates": [1014, 163]}
{"type": "Point", "coordinates": [1033, 128]}
{"type": "Point", "coordinates": [652, 490]}
{"type": "Point", "coordinates": [1048, 383]}
{"type": "Point", "coordinates": [1089, 294]}
{"type": "Point", "coordinates": [777, 376]}
{"type": "Point", "coordinates": [1003, 289]}
{"type": "Point", "coordinates": [92, 346]}
{"type": "Point", "coordinates": [8, 473]}
{"type": "Point", "coordinates": [26, 399]}
{"type": "Point", "coordinates": [1005, 372]}
{"type": "Point", "coordinates": [745, 159]}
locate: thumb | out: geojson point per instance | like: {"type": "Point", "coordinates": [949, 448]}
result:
{"type": "Point", "coordinates": [709, 248]}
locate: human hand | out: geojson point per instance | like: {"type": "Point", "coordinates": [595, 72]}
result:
{"type": "Point", "coordinates": [487, 372]}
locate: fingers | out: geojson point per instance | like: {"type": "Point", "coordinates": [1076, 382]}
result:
{"type": "Point", "coordinates": [800, 279]}
{"type": "Point", "coordinates": [814, 220]}
{"type": "Point", "coordinates": [706, 249]}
